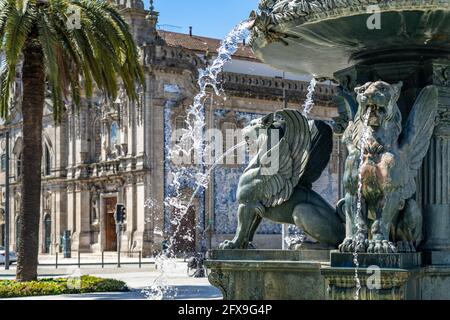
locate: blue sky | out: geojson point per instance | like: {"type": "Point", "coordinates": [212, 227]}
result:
{"type": "Point", "coordinates": [211, 18]}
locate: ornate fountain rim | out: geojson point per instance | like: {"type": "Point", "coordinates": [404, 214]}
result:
{"type": "Point", "coordinates": [273, 14]}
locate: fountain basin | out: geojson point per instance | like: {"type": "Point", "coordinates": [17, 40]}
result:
{"type": "Point", "coordinates": [268, 274]}
{"type": "Point", "coordinates": [309, 275]}
{"type": "Point", "coordinates": [335, 38]}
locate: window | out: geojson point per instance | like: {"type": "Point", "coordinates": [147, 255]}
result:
{"type": "Point", "coordinates": [114, 134]}
{"type": "Point", "coordinates": [47, 161]}
{"type": "Point", "coordinates": [180, 123]}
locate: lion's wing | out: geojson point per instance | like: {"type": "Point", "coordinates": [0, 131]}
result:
{"type": "Point", "coordinates": [320, 152]}
{"type": "Point", "coordinates": [289, 165]}
{"type": "Point", "coordinates": [415, 138]}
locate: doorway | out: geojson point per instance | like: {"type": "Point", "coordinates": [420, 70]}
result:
{"type": "Point", "coordinates": [185, 237]}
{"type": "Point", "coordinates": [110, 224]}
{"type": "Point", "coordinates": [47, 233]}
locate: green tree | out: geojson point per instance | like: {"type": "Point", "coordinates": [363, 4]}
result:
{"type": "Point", "coordinates": [72, 47]}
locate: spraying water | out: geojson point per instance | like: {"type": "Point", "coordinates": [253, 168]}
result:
{"type": "Point", "coordinates": [309, 102]}
{"type": "Point", "coordinates": [360, 225]}
{"type": "Point", "coordinates": [192, 136]}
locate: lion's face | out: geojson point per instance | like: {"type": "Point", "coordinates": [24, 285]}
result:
{"type": "Point", "coordinates": [381, 97]}
{"type": "Point", "coordinates": [257, 129]}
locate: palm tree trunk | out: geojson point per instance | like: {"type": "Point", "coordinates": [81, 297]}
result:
{"type": "Point", "coordinates": [33, 75]}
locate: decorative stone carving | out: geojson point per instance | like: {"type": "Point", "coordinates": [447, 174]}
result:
{"type": "Point", "coordinates": [220, 280]}
{"type": "Point", "coordinates": [441, 75]}
{"type": "Point", "coordinates": [275, 12]}
{"type": "Point", "coordinates": [283, 193]}
{"type": "Point", "coordinates": [341, 284]}
{"type": "Point", "coordinates": [391, 159]}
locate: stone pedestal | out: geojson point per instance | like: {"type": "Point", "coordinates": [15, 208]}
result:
{"type": "Point", "coordinates": [381, 276]}
{"type": "Point", "coordinates": [320, 275]}
{"type": "Point", "coordinates": [268, 274]}
{"type": "Point", "coordinates": [400, 276]}
{"type": "Point", "coordinates": [341, 284]}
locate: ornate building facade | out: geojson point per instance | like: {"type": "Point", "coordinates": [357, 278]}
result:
{"type": "Point", "coordinates": [103, 153]}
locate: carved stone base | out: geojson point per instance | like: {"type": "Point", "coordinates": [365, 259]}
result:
{"type": "Point", "coordinates": [311, 275]}
{"type": "Point", "coordinates": [396, 276]}
{"type": "Point", "coordinates": [392, 283]}
{"type": "Point", "coordinates": [267, 274]}
{"type": "Point", "coordinates": [390, 276]}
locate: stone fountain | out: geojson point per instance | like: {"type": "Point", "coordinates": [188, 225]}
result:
{"type": "Point", "coordinates": [391, 61]}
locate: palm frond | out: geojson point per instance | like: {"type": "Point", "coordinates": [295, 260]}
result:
{"type": "Point", "coordinates": [18, 22]}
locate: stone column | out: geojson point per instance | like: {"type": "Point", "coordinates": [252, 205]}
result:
{"type": "Point", "coordinates": [80, 209]}
{"type": "Point", "coordinates": [71, 141]}
{"type": "Point", "coordinates": [140, 215]}
{"type": "Point", "coordinates": [82, 146]}
{"type": "Point", "coordinates": [131, 205]}
{"type": "Point", "coordinates": [71, 214]}
{"type": "Point", "coordinates": [436, 185]}
{"type": "Point", "coordinates": [154, 178]}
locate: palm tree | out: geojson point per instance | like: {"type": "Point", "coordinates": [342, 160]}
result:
{"type": "Point", "coordinates": [72, 47]}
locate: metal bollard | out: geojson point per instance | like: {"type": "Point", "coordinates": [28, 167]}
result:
{"type": "Point", "coordinates": [79, 258]}
{"type": "Point", "coordinates": [56, 262]}
{"type": "Point", "coordinates": [66, 242]}
{"type": "Point", "coordinates": [103, 259]}
{"type": "Point", "coordinates": [140, 259]}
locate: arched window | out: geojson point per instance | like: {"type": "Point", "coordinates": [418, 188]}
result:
{"type": "Point", "coordinates": [47, 160]}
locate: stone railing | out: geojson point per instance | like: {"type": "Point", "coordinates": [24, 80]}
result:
{"type": "Point", "coordinates": [271, 86]}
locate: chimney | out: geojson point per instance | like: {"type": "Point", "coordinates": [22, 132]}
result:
{"type": "Point", "coordinates": [190, 31]}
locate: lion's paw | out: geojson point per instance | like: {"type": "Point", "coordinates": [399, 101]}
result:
{"type": "Point", "coordinates": [350, 245]}
{"type": "Point", "coordinates": [347, 245]}
{"type": "Point", "coordinates": [381, 246]}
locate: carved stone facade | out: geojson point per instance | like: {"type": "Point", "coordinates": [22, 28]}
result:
{"type": "Point", "coordinates": [108, 152]}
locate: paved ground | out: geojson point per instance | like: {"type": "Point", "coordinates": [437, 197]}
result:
{"type": "Point", "coordinates": [138, 280]}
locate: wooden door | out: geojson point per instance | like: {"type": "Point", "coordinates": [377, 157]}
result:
{"type": "Point", "coordinates": [110, 225]}
{"type": "Point", "coordinates": [185, 237]}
